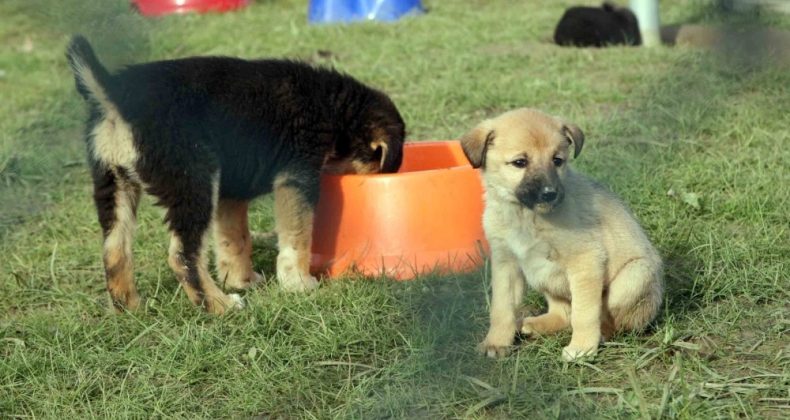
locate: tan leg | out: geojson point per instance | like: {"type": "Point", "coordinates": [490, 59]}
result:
{"type": "Point", "coordinates": [557, 318]}
{"type": "Point", "coordinates": [233, 245]}
{"type": "Point", "coordinates": [293, 219]}
{"type": "Point", "coordinates": [507, 281]}
{"type": "Point", "coordinates": [518, 291]}
{"type": "Point", "coordinates": [586, 284]}
{"type": "Point", "coordinates": [117, 257]}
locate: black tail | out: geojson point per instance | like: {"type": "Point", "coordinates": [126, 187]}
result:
{"type": "Point", "coordinates": [91, 77]}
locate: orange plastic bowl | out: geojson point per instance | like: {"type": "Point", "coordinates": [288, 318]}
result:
{"type": "Point", "coordinates": [425, 218]}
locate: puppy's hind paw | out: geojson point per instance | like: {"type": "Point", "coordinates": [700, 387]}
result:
{"type": "Point", "coordinates": [526, 328]}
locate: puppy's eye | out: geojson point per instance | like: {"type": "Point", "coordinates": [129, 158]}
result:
{"type": "Point", "coordinates": [519, 163]}
{"type": "Point", "coordinates": [558, 161]}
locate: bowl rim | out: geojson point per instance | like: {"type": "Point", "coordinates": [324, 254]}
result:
{"type": "Point", "coordinates": [401, 175]}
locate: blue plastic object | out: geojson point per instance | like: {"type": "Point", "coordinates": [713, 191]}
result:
{"type": "Point", "coordinates": [328, 11]}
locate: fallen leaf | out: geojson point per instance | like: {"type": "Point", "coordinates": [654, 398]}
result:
{"type": "Point", "coordinates": [692, 199]}
{"type": "Point", "coordinates": [251, 353]}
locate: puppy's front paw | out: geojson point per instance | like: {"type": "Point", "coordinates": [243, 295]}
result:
{"type": "Point", "coordinates": [126, 301]}
{"type": "Point", "coordinates": [292, 271]}
{"type": "Point", "coordinates": [292, 281]}
{"type": "Point", "coordinates": [498, 343]}
{"type": "Point", "coordinates": [494, 351]}
{"type": "Point", "coordinates": [573, 353]}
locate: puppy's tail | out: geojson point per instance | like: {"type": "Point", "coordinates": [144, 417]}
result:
{"type": "Point", "coordinates": [91, 77]}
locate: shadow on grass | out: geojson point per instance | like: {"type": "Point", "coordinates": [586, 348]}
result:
{"type": "Point", "coordinates": [672, 116]}
{"type": "Point", "coordinates": [445, 376]}
{"type": "Point", "coordinates": [682, 295]}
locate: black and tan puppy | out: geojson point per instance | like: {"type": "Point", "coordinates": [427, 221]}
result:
{"type": "Point", "coordinates": [562, 233]}
{"type": "Point", "coordinates": [205, 135]}
{"type": "Point", "coordinates": [598, 27]}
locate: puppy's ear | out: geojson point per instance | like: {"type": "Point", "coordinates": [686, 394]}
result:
{"type": "Point", "coordinates": [388, 148]}
{"type": "Point", "coordinates": [390, 158]}
{"type": "Point", "coordinates": [575, 137]}
{"type": "Point", "coordinates": [476, 142]}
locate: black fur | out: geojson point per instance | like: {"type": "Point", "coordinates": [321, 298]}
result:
{"type": "Point", "coordinates": [253, 119]}
{"type": "Point", "coordinates": [248, 121]}
{"type": "Point", "coordinates": [598, 27]}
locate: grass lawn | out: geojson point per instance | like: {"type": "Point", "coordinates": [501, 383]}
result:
{"type": "Point", "coordinates": [712, 129]}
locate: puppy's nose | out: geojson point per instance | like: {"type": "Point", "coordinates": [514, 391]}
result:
{"type": "Point", "coordinates": [548, 194]}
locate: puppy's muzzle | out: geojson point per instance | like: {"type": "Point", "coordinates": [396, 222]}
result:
{"type": "Point", "coordinates": [548, 195]}
{"type": "Point", "coordinates": [541, 197]}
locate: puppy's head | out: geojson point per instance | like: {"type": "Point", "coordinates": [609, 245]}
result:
{"type": "Point", "coordinates": [373, 141]}
{"type": "Point", "coordinates": [524, 154]}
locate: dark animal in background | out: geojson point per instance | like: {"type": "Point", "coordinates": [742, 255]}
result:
{"type": "Point", "coordinates": [598, 27]}
{"type": "Point", "coordinates": [205, 135]}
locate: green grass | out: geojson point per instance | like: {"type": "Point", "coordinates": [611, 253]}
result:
{"type": "Point", "coordinates": [656, 120]}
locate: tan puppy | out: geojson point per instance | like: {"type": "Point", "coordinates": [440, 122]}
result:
{"type": "Point", "coordinates": [568, 237]}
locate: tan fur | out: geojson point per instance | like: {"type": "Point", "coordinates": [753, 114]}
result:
{"type": "Point", "coordinates": [332, 165]}
{"type": "Point", "coordinates": [96, 90]}
{"type": "Point", "coordinates": [293, 218]}
{"type": "Point", "coordinates": [233, 245]}
{"type": "Point", "coordinates": [113, 142]}
{"type": "Point", "coordinates": [345, 166]}
{"type": "Point", "coordinates": [118, 251]}
{"type": "Point", "coordinates": [380, 141]}
{"type": "Point", "coordinates": [586, 254]}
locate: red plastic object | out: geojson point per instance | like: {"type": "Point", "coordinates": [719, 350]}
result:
{"type": "Point", "coordinates": [164, 7]}
{"type": "Point", "coordinates": [425, 218]}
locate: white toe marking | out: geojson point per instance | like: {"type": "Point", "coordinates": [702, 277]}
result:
{"type": "Point", "coordinates": [238, 302]}
{"type": "Point", "coordinates": [288, 275]}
